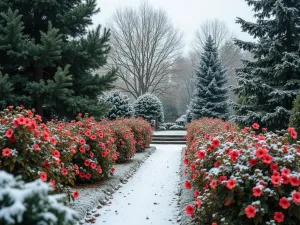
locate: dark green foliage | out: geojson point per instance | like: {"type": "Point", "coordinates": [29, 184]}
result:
{"type": "Point", "coordinates": [295, 114]}
{"type": "Point", "coordinates": [269, 84]}
{"type": "Point", "coordinates": [50, 57]}
{"type": "Point", "coordinates": [210, 96]}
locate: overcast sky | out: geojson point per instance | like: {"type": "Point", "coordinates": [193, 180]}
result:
{"type": "Point", "coordinates": [187, 15]}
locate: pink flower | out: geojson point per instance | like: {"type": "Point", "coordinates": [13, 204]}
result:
{"type": "Point", "coordinates": [296, 197]}
{"type": "Point", "coordinates": [255, 126]}
{"type": "Point", "coordinates": [231, 184]}
{"type": "Point", "coordinates": [284, 203]}
{"type": "Point", "coordinates": [215, 143]}
{"type": "Point", "coordinates": [189, 210]}
{"type": "Point", "coordinates": [279, 217]}
{"type": "Point", "coordinates": [43, 176]}
{"type": "Point", "coordinates": [257, 191]}
{"type": "Point", "coordinates": [6, 152]}
{"type": "Point", "coordinates": [188, 184]}
{"type": "Point", "coordinates": [250, 211]}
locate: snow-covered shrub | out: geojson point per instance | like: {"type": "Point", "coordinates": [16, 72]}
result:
{"type": "Point", "coordinates": [181, 121]}
{"type": "Point", "coordinates": [295, 114]}
{"type": "Point", "coordinates": [142, 131]}
{"type": "Point", "coordinates": [176, 127]}
{"type": "Point", "coordinates": [29, 148]}
{"type": "Point", "coordinates": [168, 125]}
{"type": "Point", "coordinates": [149, 107]}
{"type": "Point", "coordinates": [240, 177]}
{"type": "Point", "coordinates": [31, 203]}
{"type": "Point", "coordinates": [124, 139]}
{"type": "Point", "coordinates": [205, 126]}
{"type": "Point", "coordinates": [96, 152]}
{"type": "Point", "coordinates": [161, 127]}
{"type": "Point", "coordinates": [120, 106]}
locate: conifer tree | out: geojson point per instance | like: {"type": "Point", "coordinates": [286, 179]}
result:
{"type": "Point", "coordinates": [119, 105]}
{"type": "Point", "coordinates": [49, 57]}
{"type": "Point", "coordinates": [210, 96]}
{"type": "Point", "coordinates": [269, 84]}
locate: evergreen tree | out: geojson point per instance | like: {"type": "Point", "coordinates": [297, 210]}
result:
{"type": "Point", "coordinates": [119, 105]}
{"type": "Point", "coordinates": [149, 107]}
{"type": "Point", "coordinates": [269, 84]}
{"type": "Point", "coordinates": [295, 114]}
{"type": "Point", "coordinates": [48, 57]}
{"type": "Point", "coordinates": [210, 96]}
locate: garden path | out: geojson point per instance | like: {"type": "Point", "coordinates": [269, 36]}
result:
{"type": "Point", "coordinates": [149, 197]}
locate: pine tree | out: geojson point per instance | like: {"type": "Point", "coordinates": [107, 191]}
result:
{"type": "Point", "coordinates": [295, 114]}
{"type": "Point", "coordinates": [210, 96]}
{"type": "Point", "coordinates": [149, 107]}
{"type": "Point", "coordinates": [119, 105]}
{"type": "Point", "coordinates": [50, 57]}
{"type": "Point", "coordinates": [269, 84]}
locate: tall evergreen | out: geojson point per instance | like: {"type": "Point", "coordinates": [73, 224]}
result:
{"type": "Point", "coordinates": [268, 85]}
{"type": "Point", "coordinates": [49, 58]}
{"type": "Point", "coordinates": [210, 96]}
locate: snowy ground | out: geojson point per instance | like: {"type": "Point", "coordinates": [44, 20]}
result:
{"type": "Point", "coordinates": [170, 132]}
{"type": "Point", "coordinates": [150, 196]}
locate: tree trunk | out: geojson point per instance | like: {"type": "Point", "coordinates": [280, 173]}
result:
{"type": "Point", "coordinates": [38, 75]}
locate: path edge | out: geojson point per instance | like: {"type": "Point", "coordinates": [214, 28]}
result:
{"type": "Point", "coordinates": [90, 198]}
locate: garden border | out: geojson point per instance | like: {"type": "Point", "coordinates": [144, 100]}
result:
{"type": "Point", "coordinates": [91, 197]}
{"type": "Point", "coordinates": [186, 196]}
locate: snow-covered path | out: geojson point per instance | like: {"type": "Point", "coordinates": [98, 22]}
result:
{"type": "Point", "coordinates": [149, 197]}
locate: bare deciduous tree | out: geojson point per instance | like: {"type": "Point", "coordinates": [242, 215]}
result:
{"type": "Point", "coordinates": [145, 46]}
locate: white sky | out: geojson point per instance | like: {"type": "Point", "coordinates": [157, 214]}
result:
{"type": "Point", "coordinates": [187, 15]}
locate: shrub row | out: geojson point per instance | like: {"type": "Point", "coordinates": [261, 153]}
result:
{"type": "Point", "coordinates": [242, 177]}
{"type": "Point", "coordinates": [82, 150]}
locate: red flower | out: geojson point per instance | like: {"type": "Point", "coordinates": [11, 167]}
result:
{"type": "Point", "coordinates": [56, 153]}
{"type": "Point", "coordinates": [193, 167]}
{"type": "Point", "coordinates": [255, 126]}
{"type": "Point", "coordinates": [112, 170]}
{"type": "Point", "coordinates": [286, 171]}
{"type": "Point", "coordinates": [213, 184]}
{"type": "Point", "coordinates": [231, 184]}
{"type": "Point", "coordinates": [46, 136]}
{"type": "Point", "coordinates": [52, 182]}
{"type": "Point", "coordinates": [53, 140]}
{"type": "Point", "coordinates": [76, 194]}
{"type": "Point", "coordinates": [92, 155]}
{"type": "Point", "coordinates": [82, 141]}
{"type": "Point", "coordinates": [201, 154]}
{"type": "Point", "coordinates": [46, 165]}
{"type": "Point", "coordinates": [93, 165]}
{"type": "Point", "coordinates": [87, 162]}
{"type": "Point", "coordinates": [296, 197]}
{"type": "Point", "coordinates": [276, 180]}
{"type": "Point", "coordinates": [88, 176]}
{"type": "Point", "coordinates": [188, 184]}
{"type": "Point", "coordinates": [260, 153]}
{"type": "Point", "coordinates": [9, 133]}
{"type": "Point", "coordinates": [257, 191]}
{"type": "Point", "coordinates": [267, 159]}
{"type": "Point", "coordinates": [196, 193]}
{"type": "Point", "coordinates": [36, 147]}
{"type": "Point", "coordinates": [279, 217]}
{"type": "Point", "coordinates": [294, 181]}
{"type": "Point", "coordinates": [253, 162]}
{"type": "Point", "coordinates": [215, 143]}
{"type": "Point", "coordinates": [64, 172]}
{"type": "Point", "coordinates": [250, 211]}
{"type": "Point", "coordinates": [6, 152]}
{"type": "Point", "coordinates": [43, 176]}
{"type": "Point", "coordinates": [284, 203]}
{"type": "Point", "coordinates": [186, 161]}
{"type": "Point", "coordinates": [214, 224]}
{"type": "Point", "coordinates": [222, 178]}
{"type": "Point", "coordinates": [274, 166]}
{"type": "Point", "coordinates": [189, 210]}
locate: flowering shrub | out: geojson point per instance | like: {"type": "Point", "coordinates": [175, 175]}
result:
{"type": "Point", "coordinates": [206, 126]}
{"type": "Point", "coordinates": [29, 149]}
{"type": "Point", "coordinates": [94, 148]}
{"type": "Point", "coordinates": [142, 131]}
{"type": "Point", "coordinates": [30, 204]}
{"type": "Point", "coordinates": [240, 177]}
{"type": "Point", "coordinates": [124, 139]}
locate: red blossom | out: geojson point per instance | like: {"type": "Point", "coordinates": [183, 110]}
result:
{"type": "Point", "coordinates": [250, 211]}
{"type": "Point", "coordinates": [284, 203]}
{"type": "Point", "coordinates": [231, 184]}
{"type": "Point", "coordinates": [6, 152]}
{"type": "Point", "coordinates": [43, 176]}
{"type": "Point", "coordinates": [188, 184]}
{"type": "Point", "coordinates": [279, 217]}
{"type": "Point", "coordinates": [189, 210]}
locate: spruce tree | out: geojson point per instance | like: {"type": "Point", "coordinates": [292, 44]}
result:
{"type": "Point", "coordinates": [119, 105]}
{"type": "Point", "coordinates": [49, 57]}
{"type": "Point", "coordinates": [210, 96]}
{"type": "Point", "coordinates": [269, 84]}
